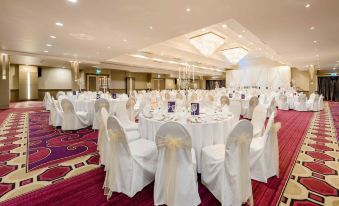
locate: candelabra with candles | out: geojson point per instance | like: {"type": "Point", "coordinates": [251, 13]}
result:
{"type": "Point", "coordinates": [185, 75]}
{"type": "Point", "coordinates": [104, 83]}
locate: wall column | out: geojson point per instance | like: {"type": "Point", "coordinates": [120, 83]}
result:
{"type": "Point", "coordinates": [4, 81]}
{"type": "Point", "coordinates": [75, 75]}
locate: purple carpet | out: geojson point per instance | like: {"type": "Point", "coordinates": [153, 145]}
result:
{"type": "Point", "coordinates": [48, 146]}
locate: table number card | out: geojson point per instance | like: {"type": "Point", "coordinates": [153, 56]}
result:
{"type": "Point", "coordinates": [230, 95]}
{"type": "Point", "coordinates": [242, 96]}
{"type": "Point", "coordinates": [114, 95]}
{"type": "Point", "coordinates": [195, 109]}
{"type": "Point", "coordinates": [171, 107]}
{"type": "Point", "coordinates": [98, 96]}
{"type": "Point", "coordinates": [74, 93]}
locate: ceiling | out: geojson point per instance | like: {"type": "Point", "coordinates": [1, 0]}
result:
{"type": "Point", "coordinates": [104, 32]}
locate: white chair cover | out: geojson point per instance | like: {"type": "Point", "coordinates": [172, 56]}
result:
{"type": "Point", "coordinates": [235, 108]}
{"type": "Point", "coordinates": [72, 120]}
{"type": "Point", "coordinates": [313, 103]}
{"type": "Point", "coordinates": [56, 115]}
{"type": "Point", "coordinates": [175, 178]}
{"type": "Point", "coordinates": [47, 101]}
{"type": "Point", "coordinates": [226, 168]}
{"type": "Point", "coordinates": [59, 93]}
{"type": "Point", "coordinates": [300, 104]}
{"type": "Point", "coordinates": [122, 115]}
{"type": "Point", "coordinates": [254, 101]}
{"type": "Point", "coordinates": [130, 108]}
{"type": "Point", "coordinates": [283, 104]}
{"type": "Point", "coordinates": [103, 141]}
{"type": "Point", "coordinates": [131, 166]}
{"type": "Point", "coordinates": [264, 153]}
{"type": "Point", "coordinates": [258, 120]}
{"type": "Point", "coordinates": [99, 103]}
{"type": "Point", "coordinates": [321, 102]}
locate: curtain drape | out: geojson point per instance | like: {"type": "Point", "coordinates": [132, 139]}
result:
{"type": "Point", "coordinates": [329, 88]}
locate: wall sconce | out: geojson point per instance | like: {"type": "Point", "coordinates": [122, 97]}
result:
{"type": "Point", "coordinates": [4, 64]}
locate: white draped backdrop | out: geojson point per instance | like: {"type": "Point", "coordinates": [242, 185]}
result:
{"type": "Point", "coordinates": [279, 76]}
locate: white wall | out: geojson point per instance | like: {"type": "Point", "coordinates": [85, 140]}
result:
{"type": "Point", "coordinates": [55, 78]}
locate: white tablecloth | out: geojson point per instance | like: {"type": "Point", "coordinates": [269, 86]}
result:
{"type": "Point", "coordinates": [88, 106]}
{"type": "Point", "coordinates": [203, 134]}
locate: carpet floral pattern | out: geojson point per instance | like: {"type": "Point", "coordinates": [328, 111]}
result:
{"type": "Point", "coordinates": [48, 146]}
{"type": "Point", "coordinates": [314, 179]}
{"type": "Point", "coordinates": [14, 179]}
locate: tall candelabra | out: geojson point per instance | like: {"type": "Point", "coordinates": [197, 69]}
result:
{"type": "Point", "coordinates": [185, 74]}
{"type": "Point", "coordinates": [104, 83]}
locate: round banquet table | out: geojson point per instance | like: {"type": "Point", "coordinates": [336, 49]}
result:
{"type": "Point", "coordinates": [88, 106]}
{"type": "Point", "coordinates": [203, 134]}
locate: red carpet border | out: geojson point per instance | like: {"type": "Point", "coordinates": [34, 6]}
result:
{"type": "Point", "coordinates": [314, 179]}
{"type": "Point", "coordinates": [86, 188]}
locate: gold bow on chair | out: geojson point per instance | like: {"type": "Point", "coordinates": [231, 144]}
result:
{"type": "Point", "coordinates": [172, 143]}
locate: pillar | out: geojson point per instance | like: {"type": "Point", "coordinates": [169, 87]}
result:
{"type": "Point", "coordinates": [4, 81]}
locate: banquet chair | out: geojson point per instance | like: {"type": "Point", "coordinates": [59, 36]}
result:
{"type": "Point", "coordinates": [263, 99]}
{"type": "Point", "coordinates": [55, 116]}
{"type": "Point", "coordinates": [72, 120]}
{"type": "Point", "coordinates": [300, 104]}
{"type": "Point", "coordinates": [224, 100]}
{"type": "Point", "coordinates": [103, 141]}
{"type": "Point", "coordinates": [258, 120]}
{"type": "Point", "coordinates": [194, 97]}
{"type": "Point", "coordinates": [131, 165]}
{"type": "Point", "coordinates": [235, 108]}
{"type": "Point", "coordinates": [264, 153]}
{"type": "Point", "coordinates": [225, 168]}
{"type": "Point", "coordinates": [130, 127]}
{"type": "Point", "coordinates": [254, 101]}
{"type": "Point", "coordinates": [47, 101]}
{"type": "Point", "coordinates": [321, 102]}
{"type": "Point", "coordinates": [130, 108]}
{"type": "Point", "coordinates": [313, 103]}
{"type": "Point", "coordinates": [59, 93]}
{"type": "Point", "coordinates": [176, 176]}
{"type": "Point", "coordinates": [283, 104]}
{"type": "Point", "coordinates": [99, 103]}
{"type": "Point", "coordinates": [270, 107]}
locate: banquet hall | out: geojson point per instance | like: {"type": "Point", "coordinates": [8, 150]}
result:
{"type": "Point", "coordinates": [178, 103]}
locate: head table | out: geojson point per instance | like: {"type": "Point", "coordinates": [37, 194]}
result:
{"type": "Point", "coordinates": [206, 129]}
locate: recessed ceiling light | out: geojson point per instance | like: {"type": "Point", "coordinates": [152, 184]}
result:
{"type": "Point", "coordinates": [151, 27]}
{"type": "Point", "coordinates": [188, 9]}
{"type": "Point", "coordinates": [73, 1]}
{"type": "Point", "coordinates": [224, 26]}
{"type": "Point", "coordinates": [243, 31]}
{"type": "Point", "coordinates": [108, 47]}
{"type": "Point", "coordinates": [125, 40]}
{"type": "Point", "coordinates": [52, 37]}
{"type": "Point", "coordinates": [49, 45]}
{"type": "Point", "coordinates": [240, 36]}
{"type": "Point", "coordinates": [59, 24]}
{"type": "Point", "coordinates": [312, 28]}
{"type": "Point", "coordinates": [46, 51]}
{"type": "Point", "coordinates": [317, 55]}
{"type": "Point", "coordinates": [308, 5]}
{"type": "Point", "coordinates": [315, 41]}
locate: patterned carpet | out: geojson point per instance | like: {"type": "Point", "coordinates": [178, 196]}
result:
{"type": "Point", "coordinates": [48, 146]}
{"type": "Point", "coordinates": [314, 179]}
{"type": "Point", "coordinates": [79, 181]}
{"type": "Point", "coordinates": [15, 180]}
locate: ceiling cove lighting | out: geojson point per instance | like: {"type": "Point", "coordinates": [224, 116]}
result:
{"type": "Point", "coordinates": [173, 62]}
{"type": "Point", "coordinates": [234, 55]}
{"type": "Point", "coordinates": [207, 43]}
